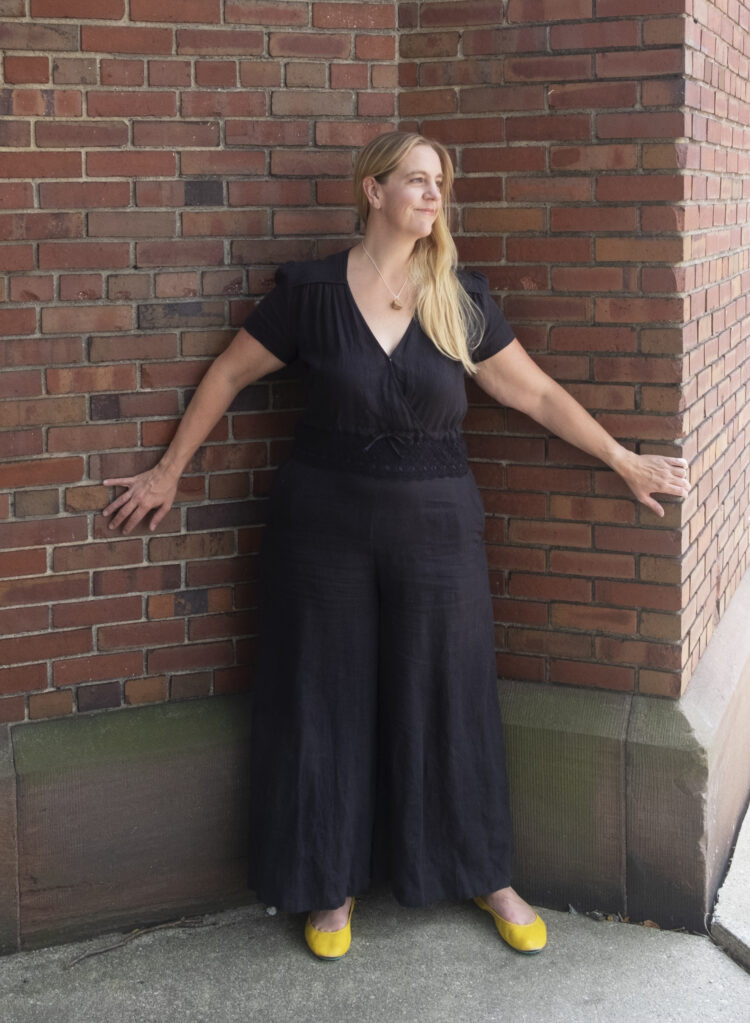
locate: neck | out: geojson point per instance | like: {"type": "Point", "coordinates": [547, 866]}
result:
{"type": "Point", "coordinates": [392, 254]}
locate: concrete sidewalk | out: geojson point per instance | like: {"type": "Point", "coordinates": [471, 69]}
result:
{"type": "Point", "coordinates": [444, 964]}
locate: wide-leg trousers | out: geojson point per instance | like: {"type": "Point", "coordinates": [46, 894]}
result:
{"type": "Point", "coordinates": [377, 749]}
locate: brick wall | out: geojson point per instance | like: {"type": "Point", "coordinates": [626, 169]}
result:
{"type": "Point", "coordinates": [563, 119]}
{"type": "Point", "coordinates": [159, 160]}
{"type": "Point", "coordinates": [715, 280]}
{"type": "Point", "coordinates": [155, 173]}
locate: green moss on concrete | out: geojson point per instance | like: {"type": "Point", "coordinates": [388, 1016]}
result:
{"type": "Point", "coordinates": [161, 731]}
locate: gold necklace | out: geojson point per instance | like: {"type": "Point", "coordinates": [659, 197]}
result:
{"type": "Point", "coordinates": [395, 304]}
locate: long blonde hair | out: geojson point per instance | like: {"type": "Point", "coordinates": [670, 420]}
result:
{"type": "Point", "coordinates": [447, 314]}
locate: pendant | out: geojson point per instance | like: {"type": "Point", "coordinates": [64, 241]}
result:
{"type": "Point", "coordinates": [395, 304]}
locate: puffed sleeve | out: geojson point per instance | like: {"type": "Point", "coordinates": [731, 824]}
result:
{"type": "Point", "coordinates": [497, 331]}
{"type": "Point", "coordinates": [273, 321]}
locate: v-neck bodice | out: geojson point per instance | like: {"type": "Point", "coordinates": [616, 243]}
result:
{"type": "Point", "coordinates": [368, 411]}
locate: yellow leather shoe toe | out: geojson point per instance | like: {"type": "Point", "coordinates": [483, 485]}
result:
{"type": "Point", "coordinates": [526, 938]}
{"type": "Point", "coordinates": [329, 945]}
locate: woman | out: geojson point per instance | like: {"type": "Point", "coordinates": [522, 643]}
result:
{"type": "Point", "coordinates": [377, 745]}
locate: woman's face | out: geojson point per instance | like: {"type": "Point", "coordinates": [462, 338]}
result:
{"type": "Point", "coordinates": [410, 198]}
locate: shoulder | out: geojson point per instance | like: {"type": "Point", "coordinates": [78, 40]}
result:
{"type": "Point", "coordinates": [474, 283]}
{"type": "Point", "coordinates": [331, 270]}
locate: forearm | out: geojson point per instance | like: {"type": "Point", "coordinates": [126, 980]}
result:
{"type": "Point", "coordinates": [560, 413]}
{"type": "Point", "coordinates": [212, 398]}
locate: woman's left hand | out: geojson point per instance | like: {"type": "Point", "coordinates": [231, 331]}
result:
{"type": "Point", "coordinates": [654, 474]}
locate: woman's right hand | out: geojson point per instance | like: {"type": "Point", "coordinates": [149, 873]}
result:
{"type": "Point", "coordinates": [153, 490]}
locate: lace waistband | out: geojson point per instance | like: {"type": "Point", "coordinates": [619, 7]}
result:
{"type": "Point", "coordinates": [401, 454]}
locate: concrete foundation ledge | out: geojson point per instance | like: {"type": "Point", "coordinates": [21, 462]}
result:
{"type": "Point", "coordinates": [124, 818]}
{"type": "Point", "coordinates": [622, 803]}
{"type": "Point", "coordinates": [631, 804]}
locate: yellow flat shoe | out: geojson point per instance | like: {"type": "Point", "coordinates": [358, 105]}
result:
{"type": "Point", "coordinates": [526, 938]}
{"type": "Point", "coordinates": [329, 945]}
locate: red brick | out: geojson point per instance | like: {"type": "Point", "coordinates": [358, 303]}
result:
{"type": "Point", "coordinates": [333, 133]}
{"type": "Point", "coordinates": [546, 587]}
{"type": "Point", "coordinates": [314, 222]}
{"type": "Point", "coordinates": [44, 645]}
{"type": "Point", "coordinates": [97, 555]}
{"type": "Point", "coordinates": [23, 679]}
{"type": "Point", "coordinates": [617, 566]}
{"type": "Point", "coordinates": [180, 253]}
{"type": "Point", "coordinates": [357, 15]}
{"type": "Point", "coordinates": [642, 125]}
{"type": "Point", "coordinates": [29, 165]}
{"type": "Point", "coordinates": [39, 38]}
{"type": "Point", "coordinates": [40, 472]}
{"type": "Point", "coordinates": [200, 11]}
{"type": "Point", "coordinates": [21, 563]}
{"type": "Point", "coordinates": [589, 617]}
{"type": "Point", "coordinates": [639, 63]}
{"type": "Point", "coordinates": [375, 47]}
{"type": "Point", "coordinates": [273, 193]}
{"type": "Point", "coordinates": [51, 704]}
{"type": "Point", "coordinates": [87, 318]}
{"type": "Point", "coordinates": [603, 35]}
{"type": "Point", "coordinates": [26, 70]}
{"type": "Point", "coordinates": [140, 635]}
{"type": "Point", "coordinates": [429, 44]}
{"type": "Point", "coordinates": [131, 165]}
{"type": "Point", "coordinates": [84, 134]}
{"type": "Point", "coordinates": [624, 8]}
{"type": "Point", "coordinates": [129, 580]}
{"type": "Point", "coordinates": [594, 219]}
{"type": "Point", "coordinates": [223, 104]}
{"type": "Point", "coordinates": [44, 589]}
{"type": "Point", "coordinates": [549, 10]}
{"type": "Point", "coordinates": [552, 534]}
{"type": "Point", "coordinates": [16, 196]}
{"type": "Point", "coordinates": [592, 95]}
{"type": "Point", "coordinates": [119, 72]}
{"type": "Point", "coordinates": [126, 39]}
{"type": "Point", "coordinates": [213, 42]}
{"type": "Point", "coordinates": [261, 12]}
{"type": "Point", "coordinates": [191, 134]}
{"type": "Point", "coordinates": [76, 287]}
{"type": "Point", "coordinates": [549, 126]}
{"type": "Point", "coordinates": [664, 598]}
{"type": "Point", "coordinates": [146, 690]}
{"type": "Point", "coordinates": [169, 72]}
{"type": "Point", "coordinates": [642, 541]}
{"type": "Point", "coordinates": [95, 667]}
{"type": "Point", "coordinates": [100, 10]}
{"type": "Point", "coordinates": [98, 437]}
{"type": "Point", "coordinates": [598, 675]}
{"type": "Point", "coordinates": [190, 656]}
{"type": "Point", "coordinates": [653, 655]}
{"type": "Point", "coordinates": [84, 380]}
{"type": "Point", "coordinates": [41, 411]}
{"type": "Point", "coordinates": [642, 188]}
{"type": "Point", "coordinates": [216, 72]}
{"type": "Point", "coordinates": [225, 223]}
{"type": "Point", "coordinates": [546, 69]}
{"type": "Point", "coordinates": [83, 195]}
{"type": "Point", "coordinates": [255, 73]}
{"type": "Point", "coordinates": [132, 104]}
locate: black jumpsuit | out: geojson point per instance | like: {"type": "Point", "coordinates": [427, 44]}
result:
{"type": "Point", "coordinates": [377, 748]}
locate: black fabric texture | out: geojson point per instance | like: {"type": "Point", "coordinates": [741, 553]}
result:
{"type": "Point", "coordinates": [377, 749]}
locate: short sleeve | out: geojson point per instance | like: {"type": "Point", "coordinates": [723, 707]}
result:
{"type": "Point", "coordinates": [273, 321]}
{"type": "Point", "coordinates": [498, 333]}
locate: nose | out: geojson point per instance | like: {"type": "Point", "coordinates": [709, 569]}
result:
{"type": "Point", "coordinates": [432, 190]}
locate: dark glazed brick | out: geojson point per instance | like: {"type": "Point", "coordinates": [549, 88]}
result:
{"type": "Point", "coordinates": [204, 193]}
{"type": "Point", "coordinates": [105, 406]}
{"type": "Point", "coordinates": [99, 697]}
{"type": "Point", "coordinates": [191, 602]}
{"type": "Point", "coordinates": [238, 513]}
{"type": "Point", "coordinates": [181, 314]}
